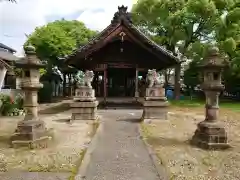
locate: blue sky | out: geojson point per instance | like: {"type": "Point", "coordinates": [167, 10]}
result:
{"type": "Point", "coordinates": [22, 18]}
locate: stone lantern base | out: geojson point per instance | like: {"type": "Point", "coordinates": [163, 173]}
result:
{"type": "Point", "coordinates": [210, 135]}
{"type": "Point", "coordinates": [32, 134]}
{"type": "Point", "coordinates": [155, 104]}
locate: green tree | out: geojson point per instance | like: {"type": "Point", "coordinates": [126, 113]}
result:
{"type": "Point", "coordinates": [58, 39]}
{"type": "Point", "coordinates": [53, 42]}
{"type": "Point", "coordinates": [227, 36]}
{"type": "Point", "coordinates": [178, 24]}
{"type": "Point", "coordinates": [191, 75]}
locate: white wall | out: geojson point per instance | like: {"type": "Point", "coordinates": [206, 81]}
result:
{"type": "Point", "coordinates": [3, 72]}
{"type": "Point", "coordinates": [12, 92]}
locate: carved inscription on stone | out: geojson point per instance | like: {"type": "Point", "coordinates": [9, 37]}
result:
{"type": "Point", "coordinates": [88, 94]}
{"type": "Point", "coordinates": [84, 94]}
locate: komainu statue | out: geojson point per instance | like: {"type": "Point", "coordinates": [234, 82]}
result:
{"type": "Point", "coordinates": [154, 79]}
{"type": "Point", "coordinates": [84, 79]}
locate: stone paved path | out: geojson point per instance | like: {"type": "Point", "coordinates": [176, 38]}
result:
{"type": "Point", "coordinates": [120, 154]}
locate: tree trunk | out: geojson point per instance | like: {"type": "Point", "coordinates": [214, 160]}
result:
{"type": "Point", "coordinates": [177, 85]}
{"type": "Point", "coordinates": [64, 85]}
{"type": "Point", "coordinates": [166, 78]}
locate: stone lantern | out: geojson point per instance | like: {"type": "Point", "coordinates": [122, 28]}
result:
{"type": "Point", "coordinates": [31, 131]}
{"type": "Point", "coordinates": [210, 133]}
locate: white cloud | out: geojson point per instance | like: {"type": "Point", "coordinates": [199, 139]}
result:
{"type": "Point", "coordinates": [100, 20]}
{"type": "Point", "coordinates": [23, 17]}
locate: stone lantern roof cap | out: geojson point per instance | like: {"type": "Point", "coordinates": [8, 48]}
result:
{"type": "Point", "coordinates": [30, 62]}
{"type": "Point", "coordinates": [29, 49]}
{"type": "Point", "coordinates": [213, 59]}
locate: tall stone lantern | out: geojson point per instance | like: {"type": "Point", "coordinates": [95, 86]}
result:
{"type": "Point", "coordinates": [211, 133]}
{"type": "Point", "coordinates": [31, 131]}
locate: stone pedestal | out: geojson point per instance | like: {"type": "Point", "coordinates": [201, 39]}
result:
{"type": "Point", "coordinates": [32, 134]}
{"type": "Point", "coordinates": [85, 105]}
{"type": "Point", "coordinates": [210, 135]}
{"type": "Point", "coordinates": [155, 104]}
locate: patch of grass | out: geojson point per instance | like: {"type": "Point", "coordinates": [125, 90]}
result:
{"type": "Point", "coordinates": [187, 103]}
{"type": "Point", "coordinates": [228, 104]}
{"type": "Point", "coordinates": [147, 133]}
{"type": "Point", "coordinates": [74, 170]}
{"type": "Point", "coordinates": [235, 106]}
{"type": "Point", "coordinates": [51, 163]}
{"type": "Point", "coordinates": [94, 127]}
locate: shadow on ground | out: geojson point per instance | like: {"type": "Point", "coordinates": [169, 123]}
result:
{"type": "Point", "coordinates": [5, 140]}
{"type": "Point", "coordinates": [56, 109]}
{"type": "Point", "coordinates": [135, 120]}
{"type": "Point", "coordinates": [64, 120]}
{"type": "Point", "coordinates": [117, 105]}
{"type": "Point", "coordinates": [167, 141]}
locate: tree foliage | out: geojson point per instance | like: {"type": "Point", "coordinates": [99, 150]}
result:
{"type": "Point", "coordinates": [177, 23]}
{"type": "Point", "coordinates": [228, 39]}
{"type": "Point", "coordinates": [191, 26]}
{"type": "Point", "coordinates": [58, 39]}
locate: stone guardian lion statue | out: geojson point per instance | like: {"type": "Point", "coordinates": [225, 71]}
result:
{"type": "Point", "coordinates": [85, 79]}
{"type": "Point", "coordinates": [154, 79]}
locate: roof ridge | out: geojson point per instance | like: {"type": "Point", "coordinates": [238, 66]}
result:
{"type": "Point", "coordinates": [3, 46]}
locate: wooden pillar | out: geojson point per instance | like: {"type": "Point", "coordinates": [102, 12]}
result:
{"type": "Point", "coordinates": [71, 84]}
{"type": "Point", "coordinates": [105, 84]}
{"type": "Point", "coordinates": [136, 84]}
{"type": "Point", "coordinates": [177, 85]}
{"type": "Point", "coordinates": [64, 84]}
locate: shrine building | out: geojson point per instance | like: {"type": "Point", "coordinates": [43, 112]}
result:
{"type": "Point", "coordinates": [120, 57]}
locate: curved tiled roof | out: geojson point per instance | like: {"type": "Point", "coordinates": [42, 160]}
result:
{"type": "Point", "coordinates": [7, 56]}
{"type": "Point", "coordinates": [122, 17]}
{"type": "Point", "coordinates": [3, 46]}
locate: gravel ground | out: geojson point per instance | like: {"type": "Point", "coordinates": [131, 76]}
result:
{"type": "Point", "coordinates": [170, 139]}
{"type": "Point", "coordinates": [62, 153]}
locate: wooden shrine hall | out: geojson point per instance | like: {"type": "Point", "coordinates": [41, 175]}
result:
{"type": "Point", "coordinates": [120, 57]}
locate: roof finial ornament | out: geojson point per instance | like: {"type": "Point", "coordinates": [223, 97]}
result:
{"type": "Point", "coordinates": [121, 14]}
{"type": "Point", "coordinates": [122, 9]}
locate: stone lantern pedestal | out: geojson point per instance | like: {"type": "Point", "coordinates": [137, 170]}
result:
{"type": "Point", "coordinates": [84, 106]}
{"type": "Point", "coordinates": [31, 131]}
{"type": "Point", "coordinates": [155, 103]}
{"type": "Point", "coordinates": [210, 133]}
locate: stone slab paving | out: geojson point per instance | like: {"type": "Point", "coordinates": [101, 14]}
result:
{"type": "Point", "coordinates": [120, 154]}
